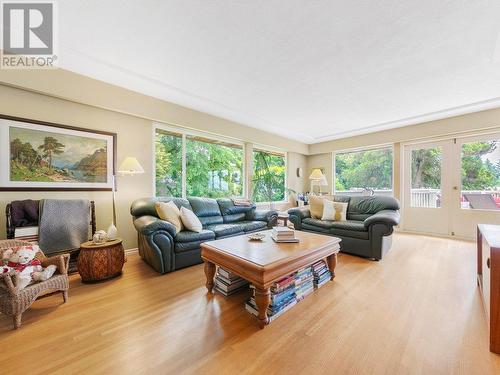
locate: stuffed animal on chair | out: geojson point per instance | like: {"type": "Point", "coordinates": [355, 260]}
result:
{"type": "Point", "coordinates": [30, 269]}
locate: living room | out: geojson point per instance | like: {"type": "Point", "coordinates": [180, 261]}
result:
{"type": "Point", "coordinates": [174, 180]}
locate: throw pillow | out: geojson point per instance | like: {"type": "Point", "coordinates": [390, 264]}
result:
{"type": "Point", "coordinates": [316, 206]}
{"type": "Point", "coordinates": [169, 212]}
{"type": "Point", "coordinates": [336, 211]}
{"type": "Point", "coordinates": [190, 220]}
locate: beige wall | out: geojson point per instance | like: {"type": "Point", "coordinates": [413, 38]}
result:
{"type": "Point", "coordinates": [134, 139]}
{"type": "Point", "coordinates": [294, 161]}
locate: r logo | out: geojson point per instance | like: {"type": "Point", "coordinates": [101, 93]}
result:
{"type": "Point", "coordinates": [28, 28]}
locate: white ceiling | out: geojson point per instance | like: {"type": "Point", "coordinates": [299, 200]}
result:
{"type": "Point", "coordinates": [310, 70]}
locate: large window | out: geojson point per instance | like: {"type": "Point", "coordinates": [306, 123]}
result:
{"type": "Point", "coordinates": [214, 169]}
{"type": "Point", "coordinates": [480, 175]}
{"type": "Point", "coordinates": [269, 171]}
{"type": "Point", "coordinates": [359, 170]}
{"type": "Point", "coordinates": [168, 179]}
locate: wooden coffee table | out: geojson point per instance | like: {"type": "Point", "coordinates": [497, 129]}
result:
{"type": "Point", "coordinates": [265, 262]}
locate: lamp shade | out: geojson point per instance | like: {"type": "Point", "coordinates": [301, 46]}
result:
{"type": "Point", "coordinates": [316, 174]}
{"type": "Point", "coordinates": [130, 166]}
{"type": "Point", "coordinates": [322, 181]}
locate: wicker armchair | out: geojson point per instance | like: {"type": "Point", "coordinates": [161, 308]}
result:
{"type": "Point", "coordinates": [13, 301]}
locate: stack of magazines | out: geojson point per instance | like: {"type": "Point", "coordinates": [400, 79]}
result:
{"type": "Point", "coordinates": [282, 298]}
{"type": "Point", "coordinates": [283, 234]}
{"type": "Point", "coordinates": [227, 283]}
{"type": "Point", "coordinates": [304, 282]}
{"type": "Point", "coordinates": [321, 274]}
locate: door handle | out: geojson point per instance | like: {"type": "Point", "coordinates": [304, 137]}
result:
{"type": "Point", "coordinates": [488, 262]}
{"type": "Point", "coordinates": [455, 187]}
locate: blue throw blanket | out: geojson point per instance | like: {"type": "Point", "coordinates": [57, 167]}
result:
{"type": "Point", "coordinates": [64, 224]}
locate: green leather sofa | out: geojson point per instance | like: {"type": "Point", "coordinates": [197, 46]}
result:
{"type": "Point", "coordinates": [368, 229]}
{"type": "Point", "coordinates": [166, 251]}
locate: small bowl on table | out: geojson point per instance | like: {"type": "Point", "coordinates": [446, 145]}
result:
{"type": "Point", "coordinates": [256, 236]}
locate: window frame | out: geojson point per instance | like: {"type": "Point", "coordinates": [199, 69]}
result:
{"type": "Point", "coordinates": [361, 149]}
{"type": "Point", "coordinates": [259, 147]}
{"type": "Point", "coordinates": [184, 133]}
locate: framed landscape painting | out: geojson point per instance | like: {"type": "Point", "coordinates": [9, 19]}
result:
{"type": "Point", "coordinates": [36, 155]}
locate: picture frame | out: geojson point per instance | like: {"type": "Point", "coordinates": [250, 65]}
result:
{"type": "Point", "coordinates": [44, 156]}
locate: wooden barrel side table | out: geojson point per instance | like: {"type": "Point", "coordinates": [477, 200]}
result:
{"type": "Point", "coordinates": [98, 262]}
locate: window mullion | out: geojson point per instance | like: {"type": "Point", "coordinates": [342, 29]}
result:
{"type": "Point", "coordinates": [184, 166]}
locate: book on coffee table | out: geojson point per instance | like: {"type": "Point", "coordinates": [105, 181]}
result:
{"type": "Point", "coordinates": [283, 234]}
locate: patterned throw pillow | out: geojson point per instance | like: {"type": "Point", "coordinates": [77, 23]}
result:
{"type": "Point", "coordinates": [336, 211]}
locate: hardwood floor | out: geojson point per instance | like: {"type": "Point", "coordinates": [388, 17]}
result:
{"type": "Point", "coordinates": [418, 311]}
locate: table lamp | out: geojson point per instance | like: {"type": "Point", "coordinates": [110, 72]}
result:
{"type": "Point", "coordinates": [316, 175]}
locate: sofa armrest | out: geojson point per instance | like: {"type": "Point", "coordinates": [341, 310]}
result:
{"type": "Point", "coordinates": [388, 217]}
{"type": "Point", "coordinates": [302, 212]}
{"type": "Point", "coordinates": [147, 225]}
{"type": "Point", "coordinates": [269, 216]}
{"type": "Point", "coordinates": [296, 215]}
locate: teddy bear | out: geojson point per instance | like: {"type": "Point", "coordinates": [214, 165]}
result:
{"type": "Point", "coordinates": [29, 268]}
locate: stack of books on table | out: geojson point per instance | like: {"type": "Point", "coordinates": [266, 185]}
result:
{"type": "Point", "coordinates": [284, 234]}
{"type": "Point", "coordinates": [282, 298]}
{"type": "Point", "coordinates": [304, 282]}
{"type": "Point", "coordinates": [321, 274]}
{"type": "Point", "coordinates": [227, 283]}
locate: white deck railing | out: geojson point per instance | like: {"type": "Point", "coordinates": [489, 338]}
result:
{"type": "Point", "coordinates": [423, 197]}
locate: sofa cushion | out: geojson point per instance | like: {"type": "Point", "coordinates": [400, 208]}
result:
{"type": "Point", "coordinates": [207, 210]}
{"type": "Point", "coordinates": [252, 226]}
{"type": "Point", "coordinates": [234, 218]}
{"type": "Point", "coordinates": [349, 228]}
{"type": "Point", "coordinates": [325, 224]}
{"type": "Point", "coordinates": [227, 207]}
{"type": "Point", "coordinates": [372, 204]}
{"type": "Point", "coordinates": [223, 230]}
{"type": "Point", "coordinates": [181, 247]}
{"type": "Point", "coordinates": [232, 213]}
{"type": "Point", "coordinates": [146, 206]}
{"type": "Point", "coordinates": [353, 225]}
{"type": "Point", "coordinates": [349, 233]}
{"type": "Point", "coordinates": [189, 236]}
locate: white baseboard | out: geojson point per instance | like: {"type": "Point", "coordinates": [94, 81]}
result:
{"type": "Point", "coordinates": [131, 251]}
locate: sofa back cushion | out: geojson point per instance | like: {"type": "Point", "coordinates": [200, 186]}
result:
{"type": "Point", "coordinates": [207, 210]}
{"type": "Point", "coordinates": [146, 206]}
{"type": "Point", "coordinates": [232, 213]}
{"type": "Point", "coordinates": [361, 207]}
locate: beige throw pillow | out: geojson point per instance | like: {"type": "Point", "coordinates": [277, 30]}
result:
{"type": "Point", "coordinates": [336, 211]}
{"type": "Point", "coordinates": [190, 220]}
{"type": "Point", "coordinates": [316, 206]}
{"type": "Point", "coordinates": [169, 212]}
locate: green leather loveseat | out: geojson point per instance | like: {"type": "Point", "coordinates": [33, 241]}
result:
{"type": "Point", "coordinates": [166, 251]}
{"type": "Point", "coordinates": [368, 229]}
